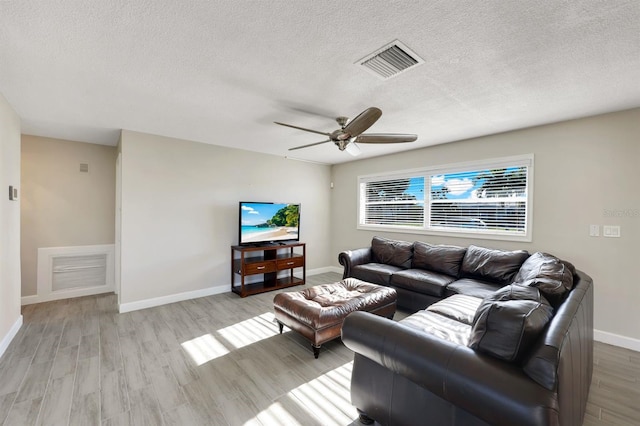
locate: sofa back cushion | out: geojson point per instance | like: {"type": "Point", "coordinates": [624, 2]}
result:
{"type": "Point", "coordinates": [441, 258]}
{"type": "Point", "coordinates": [552, 276]}
{"type": "Point", "coordinates": [492, 265]}
{"type": "Point", "coordinates": [508, 323]}
{"type": "Point", "coordinates": [392, 252]}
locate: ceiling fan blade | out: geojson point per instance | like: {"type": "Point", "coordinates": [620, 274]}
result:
{"type": "Point", "coordinates": [363, 121]}
{"type": "Point", "coordinates": [385, 138]}
{"type": "Point", "coordinates": [311, 144]}
{"type": "Point", "coordinates": [308, 110]}
{"type": "Point", "coordinates": [303, 129]}
{"type": "Point", "coordinates": [353, 149]}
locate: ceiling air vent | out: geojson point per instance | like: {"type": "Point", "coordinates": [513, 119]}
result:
{"type": "Point", "coordinates": [390, 60]}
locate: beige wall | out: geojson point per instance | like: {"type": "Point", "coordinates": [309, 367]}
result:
{"type": "Point", "coordinates": [10, 318]}
{"type": "Point", "coordinates": [180, 211]}
{"type": "Point", "coordinates": [61, 206]}
{"type": "Point", "coordinates": [582, 168]}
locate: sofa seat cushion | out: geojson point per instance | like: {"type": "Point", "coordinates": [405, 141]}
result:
{"type": "Point", "coordinates": [439, 326]}
{"type": "Point", "coordinates": [376, 273]}
{"type": "Point", "coordinates": [443, 259]}
{"type": "Point", "coordinates": [472, 287]}
{"type": "Point", "coordinates": [392, 252]}
{"type": "Point", "coordinates": [457, 307]}
{"type": "Point", "coordinates": [421, 281]}
{"type": "Point", "coordinates": [492, 265]}
{"type": "Point", "coordinates": [508, 322]}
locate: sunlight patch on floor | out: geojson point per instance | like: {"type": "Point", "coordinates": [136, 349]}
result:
{"type": "Point", "coordinates": [250, 331]}
{"type": "Point", "coordinates": [326, 398]}
{"type": "Point", "coordinates": [204, 348]}
{"type": "Point", "coordinates": [211, 346]}
{"type": "Point", "coordinates": [278, 415]}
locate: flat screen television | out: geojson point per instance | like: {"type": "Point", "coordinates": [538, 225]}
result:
{"type": "Point", "coordinates": [263, 223]}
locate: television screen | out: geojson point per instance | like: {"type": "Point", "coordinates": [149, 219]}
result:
{"type": "Point", "coordinates": [267, 222]}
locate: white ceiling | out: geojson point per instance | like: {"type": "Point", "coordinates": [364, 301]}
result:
{"type": "Point", "coordinates": [221, 72]}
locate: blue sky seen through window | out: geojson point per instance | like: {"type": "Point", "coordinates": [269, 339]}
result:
{"type": "Point", "coordinates": [460, 186]}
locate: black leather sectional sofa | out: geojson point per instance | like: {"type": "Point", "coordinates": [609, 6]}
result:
{"type": "Point", "coordinates": [499, 337]}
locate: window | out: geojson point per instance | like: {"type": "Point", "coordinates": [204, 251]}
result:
{"type": "Point", "coordinates": [490, 198]}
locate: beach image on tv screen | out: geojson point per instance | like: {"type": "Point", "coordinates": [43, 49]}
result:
{"type": "Point", "coordinates": [268, 222]}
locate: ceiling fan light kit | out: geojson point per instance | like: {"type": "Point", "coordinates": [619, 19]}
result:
{"type": "Point", "coordinates": [353, 149]}
{"type": "Point", "coordinates": [351, 132]}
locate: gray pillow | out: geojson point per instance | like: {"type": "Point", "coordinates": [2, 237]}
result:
{"type": "Point", "coordinates": [441, 258]}
{"type": "Point", "coordinates": [392, 252]}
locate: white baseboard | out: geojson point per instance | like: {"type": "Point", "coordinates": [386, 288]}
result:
{"type": "Point", "coordinates": [172, 298]}
{"type": "Point", "coordinates": [617, 340]}
{"type": "Point", "coordinates": [6, 340]}
{"type": "Point", "coordinates": [64, 294]}
{"type": "Point", "coordinates": [163, 300]}
{"type": "Point", "coordinates": [318, 271]}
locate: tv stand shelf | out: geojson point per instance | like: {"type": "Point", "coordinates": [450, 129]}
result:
{"type": "Point", "coordinates": [275, 262]}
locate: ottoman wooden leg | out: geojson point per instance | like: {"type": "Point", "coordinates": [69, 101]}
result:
{"type": "Point", "coordinates": [316, 351]}
{"type": "Point", "coordinates": [280, 326]}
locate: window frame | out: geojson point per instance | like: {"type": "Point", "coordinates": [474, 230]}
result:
{"type": "Point", "coordinates": [526, 160]}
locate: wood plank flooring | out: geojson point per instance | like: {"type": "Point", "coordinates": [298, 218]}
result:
{"type": "Point", "coordinates": [216, 360]}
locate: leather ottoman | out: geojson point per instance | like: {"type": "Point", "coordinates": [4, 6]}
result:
{"type": "Point", "coordinates": [317, 313]}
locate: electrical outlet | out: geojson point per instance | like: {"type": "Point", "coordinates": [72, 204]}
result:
{"type": "Point", "coordinates": [611, 231]}
{"type": "Point", "coordinates": [594, 230]}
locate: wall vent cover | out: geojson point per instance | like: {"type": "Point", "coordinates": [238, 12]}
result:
{"type": "Point", "coordinates": [75, 271]}
{"type": "Point", "coordinates": [83, 270]}
{"type": "Point", "coordinates": [84, 167]}
{"type": "Point", "coordinates": [390, 60]}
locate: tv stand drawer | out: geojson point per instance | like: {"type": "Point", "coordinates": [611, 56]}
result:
{"type": "Point", "coordinates": [292, 262]}
{"type": "Point", "coordinates": [259, 267]}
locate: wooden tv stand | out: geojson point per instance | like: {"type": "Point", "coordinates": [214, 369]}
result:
{"type": "Point", "coordinates": [276, 263]}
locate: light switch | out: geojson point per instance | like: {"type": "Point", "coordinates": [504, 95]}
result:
{"type": "Point", "coordinates": [611, 231]}
{"type": "Point", "coordinates": [13, 193]}
{"type": "Point", "coordinates": [594, 230]}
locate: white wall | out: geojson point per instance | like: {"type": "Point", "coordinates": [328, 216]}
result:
{"type": "Point", "coordinates": [582, 168]}
{"type": "Point", "coordinates": [180, 211]}
{"type": "Point", "coordinates": [61, 206]}
{"type": "Point", "coordinates": [10, 318]}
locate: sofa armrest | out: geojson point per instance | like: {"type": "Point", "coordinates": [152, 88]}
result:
{"type": "Point", "coordinates": [483, 386]}
{"type": "Point", "coordinates": [350, 258]}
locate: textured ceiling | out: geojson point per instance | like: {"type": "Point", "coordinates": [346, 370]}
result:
{"type": "Point", "coordinates": [221, 72]}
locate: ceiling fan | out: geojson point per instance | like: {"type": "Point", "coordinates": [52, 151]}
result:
{"type": "Point", "coordinates": [351, 132]}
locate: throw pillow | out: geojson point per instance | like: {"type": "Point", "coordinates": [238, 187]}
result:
{"type": "Point", "coordinates": [548, 273]}
{"type": "Point", "coordinates": [517, 292]}
{"type": "Point", "coordinates": [507, 329]}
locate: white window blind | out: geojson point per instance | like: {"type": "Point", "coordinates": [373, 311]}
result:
{"type": "Point", "coordinates": [491, 198]}
{"type": "Point", "coordinates": [397, 201]}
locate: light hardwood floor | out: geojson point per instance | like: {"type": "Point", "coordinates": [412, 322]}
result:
{"type": "Point", "coordinates": [217, 360]}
